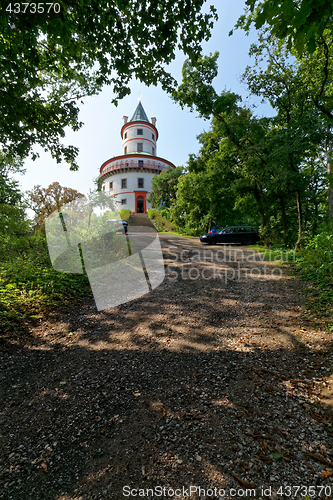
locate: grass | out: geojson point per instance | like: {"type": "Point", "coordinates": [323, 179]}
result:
{"type": "Point", "coordinates": [29, 286]}
{"type": "Point", "coordinates": [314, 264]}
{"type": "Point", "coordinates": [161, 223]}
{"type": "Point", "coordinates": [276, 254]}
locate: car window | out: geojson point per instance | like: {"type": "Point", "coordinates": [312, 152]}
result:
{"type": "Point", "coordinates": [229, 230]}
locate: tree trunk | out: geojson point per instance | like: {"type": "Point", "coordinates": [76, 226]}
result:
{"type": "Point", "coordinates": [330, 184]}
{"type": "Point", "coordinates": [330, 199]}
{"type": "Point", "coordinates": [330, 175]}
{"type": "Point", "coordinates": [284, 218]}
{"type": "Point", "coordinates": [300, 221]}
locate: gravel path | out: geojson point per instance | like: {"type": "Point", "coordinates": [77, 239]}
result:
{"type": "Point", "coordinates": [217, 379]}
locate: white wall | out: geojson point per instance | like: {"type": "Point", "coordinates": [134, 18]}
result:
{"type": "Point", "coordinates": [132, 182]}
{"type": "Point", "coordinates": [132, 185]}
{"type": "Point", "coordinates": [133, 138]}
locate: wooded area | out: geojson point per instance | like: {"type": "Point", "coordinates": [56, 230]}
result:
{"type": "Point", "coordinates": [272, 172]}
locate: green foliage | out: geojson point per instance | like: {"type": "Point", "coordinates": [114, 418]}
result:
{"type": "Point", "coordinates": [159, 219]}
{"type": "Point", "coordinates": [316, 262]}
{"type": "Point", "coordinates": [29, 285]}
{"type": "Point", "coordinates": [253, 168]}
{"type": "Point", "coordinates": [12, 223]}
{"type": "Point", "coordinates": [9, 190]}
{"type": "Point", "coordinates": [51, 60]}
{"type": "Point", "coordinates": [301, 23]}
{"type": "Point", "coordinates": [164, 186]}
{"type": "Point", "coordinates": [125, 213]}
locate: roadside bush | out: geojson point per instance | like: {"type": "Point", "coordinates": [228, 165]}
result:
{"type": "Point", "coordinates": [162, 223]}
{"type": "Point", "coordinates": [125, 213]}
{"type": "Point", "coordinates": [316, 260]}
{"type": "Point", "coordinates": [28, 283]}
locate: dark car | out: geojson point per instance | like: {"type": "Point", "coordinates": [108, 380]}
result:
{"type": "Point", "coordinates": [245, 235]}
{"type": "Point", "coordinates": [119, 225]}
{"type": "Point", "coordinates": [216, 229]}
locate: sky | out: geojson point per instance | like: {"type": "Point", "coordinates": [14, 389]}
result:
{"type": "Point", "coordinates": [99, 138]}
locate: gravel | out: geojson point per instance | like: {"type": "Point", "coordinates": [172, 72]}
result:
{"type": "Point", "coordinates": [212, 383]}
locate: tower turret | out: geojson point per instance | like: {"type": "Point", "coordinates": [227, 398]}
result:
{"type": "Point", "coordinates": [138, 134]}
{"type": "Point", "coordinates": [128, 176]}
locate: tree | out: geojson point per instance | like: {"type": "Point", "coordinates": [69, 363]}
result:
{"type": "Point", "coordinates": [300, 91]}
{"type": "Point", "coordinates": [12, 203]}
{"type": "Point", "coordinates": [47, 200]}
{"type": "Point", "coordinates": [325, 156]}
{"type": "Point", "coordinates": [163, 187]}
{"type": "Point", "coordinates": [269, 153]}
{"type": "Point", "coordinates": [233, 124]}
{"type": "Point", "coordinates": [52, 58]}
{"type": "Point", "coordinates": [300, 22]}
{"type": "Point", "coordinates": [9, 190]}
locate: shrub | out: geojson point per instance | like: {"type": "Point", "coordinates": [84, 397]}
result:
{"type": "Point", "coordinates": [162, 223]}
{"type": "Point", "coordinates": [28, 283]}
{"type": "Point", "coordinates": [316, 261]}
{"type": "Point", "coordinates": [125, 213]}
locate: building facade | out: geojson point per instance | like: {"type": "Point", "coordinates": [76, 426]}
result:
{"type": "Point", "coordinates": [128, 176]}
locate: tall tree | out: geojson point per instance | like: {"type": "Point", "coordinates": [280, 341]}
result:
{"type": "Point", "coordinates": [10, 193]}
{"type": "Point", "coordinates": [163, 187]}
{"type": "Point", "coordinates": [53, 54]}
{"type": "Point", "coordinates": [300, 92]}
{"type": "Point", "coordinates": [234, 123]}
{"type": "Point", "coordinates": [270, 152]}
{"type": "Point", "coordinates": [47, 200]}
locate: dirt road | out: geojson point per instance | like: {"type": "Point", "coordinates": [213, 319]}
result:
{"type": "Point", "coordinates": [217, 380]}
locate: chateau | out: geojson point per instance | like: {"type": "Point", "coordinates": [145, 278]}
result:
{"type": "Point", "coordinates": [128, 176]}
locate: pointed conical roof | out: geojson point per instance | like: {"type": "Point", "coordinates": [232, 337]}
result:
{"type": "Point", "coordinates": [139, 114]}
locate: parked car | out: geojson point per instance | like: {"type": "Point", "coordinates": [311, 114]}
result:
{"type": "Point", "coordinates": [216, 229]}
{"type": "Point", "coordinates": [245, 235]}
{"type": "Point", "coordinates": [119, 225]}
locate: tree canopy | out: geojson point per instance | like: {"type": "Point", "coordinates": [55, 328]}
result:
{"type": "Point", "coordinates": [300, 22]}
{"type": "Point", "coordinates": [266, 169]}
{"type": "Point", "coordinates": [52, 58]}
{"type": "Point", "coordinates": [47, 200]}
{"type": "Point", "coordinates": [164, 187]}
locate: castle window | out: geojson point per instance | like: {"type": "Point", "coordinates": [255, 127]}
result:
{"type": "Point", "coordinates": [111, 186]}
{"type": "Point", "coordinates": [140, 182]}
{"type": "Point", "coordinates": [125, 150]}
{"type": "Point", "coordinates": [125, 135]}
{"type": "Point", "coordinates": [140, 163]}
{"type": "Point", "coordinates": [153, 151]}
{"type": "Point", "coordinates": [140, 147]}
{"type": "Point", "coordinates": [140, 131]}
{"type": "Point", "coordinates": [124, 201]}
{"type": "Point", "coordinates": [153, 137]}
{"type": "Point", "coordinates": [103, 187]}
{"type": "Point", "coordinates": [123, 183]}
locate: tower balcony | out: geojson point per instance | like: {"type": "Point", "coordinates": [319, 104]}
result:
{"type": "Point", "coordinates": [137, 162]}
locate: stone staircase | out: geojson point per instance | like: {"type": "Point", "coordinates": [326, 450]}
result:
{"type": "Point", "coordinates": [140, 220]}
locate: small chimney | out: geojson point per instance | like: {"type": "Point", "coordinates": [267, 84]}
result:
{"type": "Point", "coordinates": [125, 118]}
{"type": "Point", "coordinates": [153, 120]}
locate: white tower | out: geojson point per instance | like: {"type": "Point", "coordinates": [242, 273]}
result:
{"type": "Point", "coordinates": [129, 175]}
